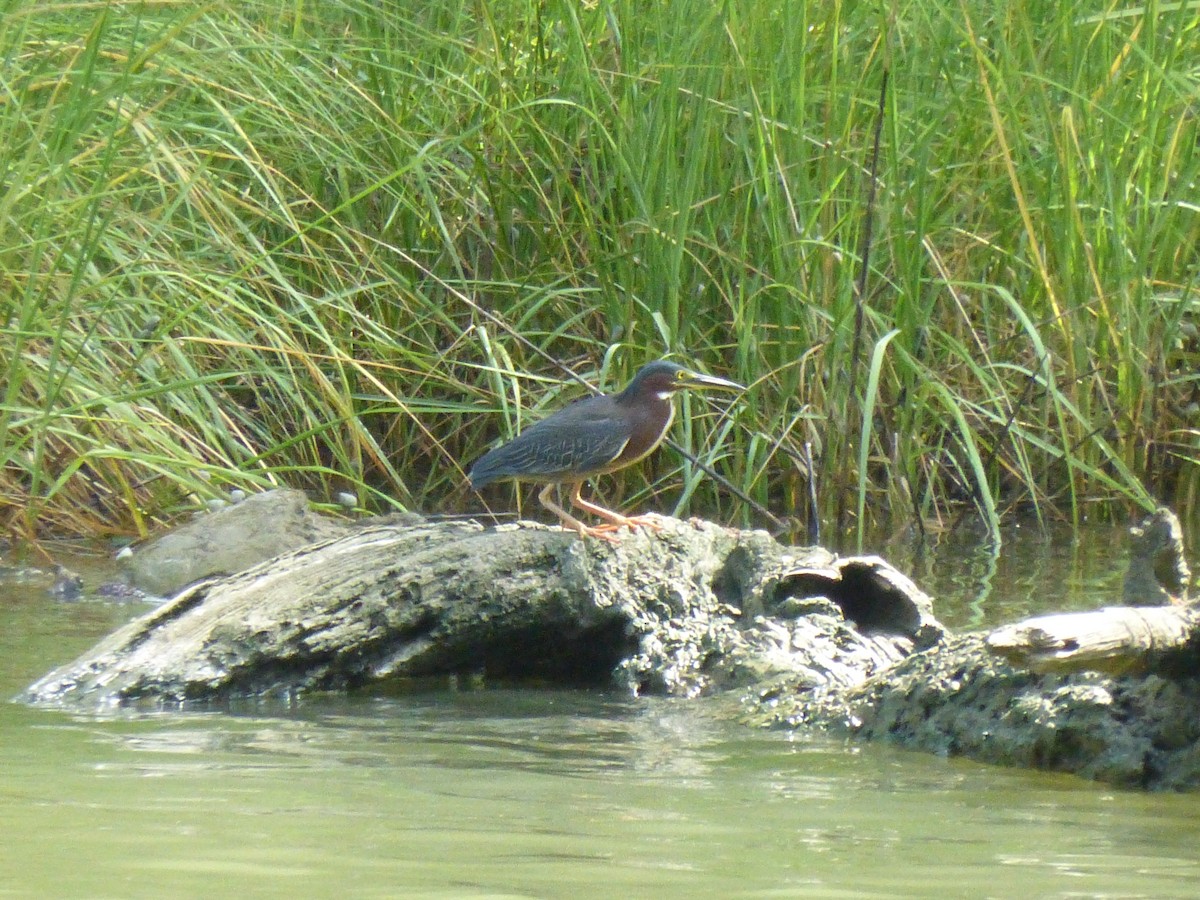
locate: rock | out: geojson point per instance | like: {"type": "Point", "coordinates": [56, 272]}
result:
{"type": "Point", "coordinates": [67, 585]}
{"type": "Point", "coordinates": [231, 539]}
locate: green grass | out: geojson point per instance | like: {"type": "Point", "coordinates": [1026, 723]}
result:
{"type": "Point", "coordinates": [347, 245]}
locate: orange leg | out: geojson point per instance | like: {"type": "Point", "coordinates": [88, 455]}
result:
{"type": "Point", "coordinates": [616, 520]}
{"type": "Point", "coordinates": [569, 521]}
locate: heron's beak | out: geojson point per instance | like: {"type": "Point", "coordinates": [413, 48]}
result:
{"type": "Point", "coordinates": [701, 381]}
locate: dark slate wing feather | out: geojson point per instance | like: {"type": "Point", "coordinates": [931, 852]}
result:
{"type": "Point", "coordinates": [576, 439]}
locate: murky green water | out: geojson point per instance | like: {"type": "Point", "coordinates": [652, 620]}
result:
{"type": "Point", "coordinates": [507, 793]}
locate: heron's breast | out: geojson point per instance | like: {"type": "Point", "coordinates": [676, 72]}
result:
{"type": "Point", "coordinates": [649, 428]}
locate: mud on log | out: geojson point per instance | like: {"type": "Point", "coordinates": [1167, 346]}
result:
{"type": "Point", "coordinates": [959, 699]}
{"type": "Point", "coordinates": [1111, 694]}
{"type": "Point", "coordinates": [691, 609]}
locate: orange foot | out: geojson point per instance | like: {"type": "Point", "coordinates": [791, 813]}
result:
{"type": "Point", "coordinates": [631, 523]}
{"type": "Point", "coordinates": [570, 523]}
{"type": "Point", "coordinates": [651, 521]}
{"type": "Point", "coordinates": [603, 532]}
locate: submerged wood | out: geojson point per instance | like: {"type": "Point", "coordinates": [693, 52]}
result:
{"type": "Point", "coordinates": [792, 637]}
{"type": "Point", "coordinates": [1158, 571]}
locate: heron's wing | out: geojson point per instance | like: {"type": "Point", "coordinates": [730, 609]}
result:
{"type": "Point", "coordinates": [575, 441]}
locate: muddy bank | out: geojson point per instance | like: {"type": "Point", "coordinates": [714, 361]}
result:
{"type": "Point", "coordinates": [786, 637]}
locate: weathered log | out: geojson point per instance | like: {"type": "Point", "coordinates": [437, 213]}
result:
{"type": "Point", "coordinates": [688, 610]}
{"type": "Point", "coordinates": [1116, 639]}
{"type": "Point", "coordinates": [808, 639]}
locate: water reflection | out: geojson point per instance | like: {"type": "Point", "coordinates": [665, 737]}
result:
{"type": "Point", "coordinates": [540, 793]}
{"type": "Point", "coordinates": [1036, 569]}
{"type": "Point", "coordinates": [569, 734]}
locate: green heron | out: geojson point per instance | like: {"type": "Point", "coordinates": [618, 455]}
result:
{"type": "Point", "coordinates": [592, 437]}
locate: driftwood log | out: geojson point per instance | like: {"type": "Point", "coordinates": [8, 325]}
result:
{"type": "Point", "coordinates": [791, 637]}
{"type": "Point", "coordinates": [1116, 639]}
{"type": "Point", "coordinates": [691, 609]}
